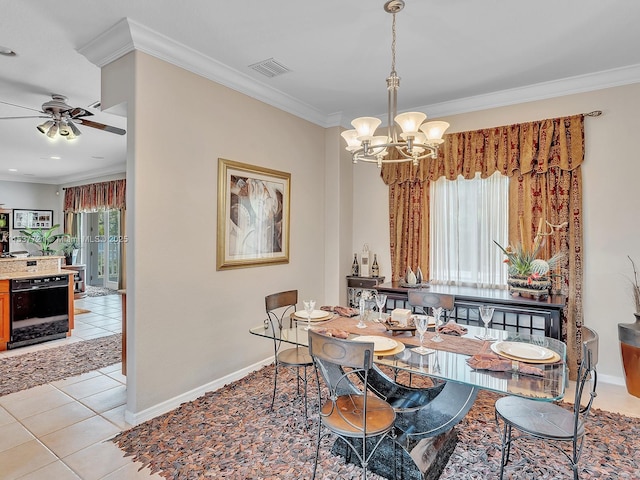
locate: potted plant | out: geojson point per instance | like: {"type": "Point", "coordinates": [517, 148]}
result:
{"type": "Point", "coordinates": [629, 336]}
{"type": "Point", "coordinates": [70, 249]}
{"type": "Point", "coordinates": [528, 273]}
{"type": "Point", "coordinates": [44, 238]}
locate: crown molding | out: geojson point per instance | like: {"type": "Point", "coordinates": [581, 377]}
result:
{"type": "Point", "coordinates": [541, 91]}
{"type": "Point", "coordinates": [128, 35]}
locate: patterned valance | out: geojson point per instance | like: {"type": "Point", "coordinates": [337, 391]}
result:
{"type": "Point", "coordinates": [533, 147]}
{"type": "Point", "coordinates": [96, 196]}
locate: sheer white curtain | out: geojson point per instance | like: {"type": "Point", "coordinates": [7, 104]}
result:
{"type": "Point", "coordinates": [466, 216]}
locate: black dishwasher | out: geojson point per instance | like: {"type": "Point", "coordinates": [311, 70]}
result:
{"type": "Point", "coordinates": [39, 309]}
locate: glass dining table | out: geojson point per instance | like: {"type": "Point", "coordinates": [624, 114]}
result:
{"type": "Point", "coordinates": [515, 363]}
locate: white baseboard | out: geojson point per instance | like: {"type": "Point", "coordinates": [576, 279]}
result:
{"type": "Point", "coordinates": [611, 379]}
{"type": "Point", "coordinates": [168, 405]}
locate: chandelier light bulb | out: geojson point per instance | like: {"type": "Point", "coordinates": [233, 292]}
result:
{"type": "Point", "coordinates": [434, 131]}
{"type": "Point", "coordinates": [351, 137]}
{"type": "Point", "coordinates": [410, 121]}
{"type": "Point", "coordinates": [366, 127]}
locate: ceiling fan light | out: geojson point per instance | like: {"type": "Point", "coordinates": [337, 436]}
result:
{"type": "Point", "coordinates": [63, 129]}
{"type": "Point", "coordinates": [410, 121]}
{"type": "Point", "coordinates": [366, 126]}
{"type": "Point", "coordinates": [75, 130]}
{"type": "Point", "coordinates": [52, 131]}
{"type": "Point", "coordinates": [434, 131]}
{"type": "Point", "coordinates": [44, 127]}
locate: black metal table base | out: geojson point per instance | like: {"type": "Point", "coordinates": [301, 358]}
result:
{"type": "Point", "coordinates": [424, 436]}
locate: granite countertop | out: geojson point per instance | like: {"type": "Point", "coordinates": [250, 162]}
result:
{"type": "Point", "coordinates": [42, 257]}
{"type": "Point", "coordinates": [42, 273]}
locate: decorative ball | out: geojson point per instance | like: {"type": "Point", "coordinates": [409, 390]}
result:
{"type": "Point", "coordinates": [541, 267]}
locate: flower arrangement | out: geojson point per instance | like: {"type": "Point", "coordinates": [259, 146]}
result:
{"type": "Point", "coordinates": [526, 270]}
{"type": "Point", "coordinates": [635, 286]}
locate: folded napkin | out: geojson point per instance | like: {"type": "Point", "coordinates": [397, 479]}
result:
{"type": "Point", "coordinates": [342, 311]}
{"type": "Point", "coordinates": [332, 332]}
{"type": "Point", "coordinates": [495, 363]}
{"type": "Point", "coordinates": [452, 328]}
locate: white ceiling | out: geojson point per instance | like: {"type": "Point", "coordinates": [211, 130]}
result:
{"type": "Point", "coordinates": [452, 55]}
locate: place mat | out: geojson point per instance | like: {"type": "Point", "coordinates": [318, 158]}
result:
{"type": "Point", "coordinates": [451, 343]}
{"type": "Point", "coordinates": [493, 362]}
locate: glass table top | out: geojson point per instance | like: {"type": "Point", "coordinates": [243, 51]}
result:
{"type": "Point", "coordinates": [453, 366]}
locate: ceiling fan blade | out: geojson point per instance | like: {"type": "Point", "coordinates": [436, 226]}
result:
{"type": "Point", "coordinates": [32, 116]}
{"type": "Point", "coordinates": [79, 112]}
{"type": "Point", "coordinates": [101, 126]}
{"type": "Point", "coordinates": [20, 106]}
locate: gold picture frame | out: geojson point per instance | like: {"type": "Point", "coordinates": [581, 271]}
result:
{"type": "Point", "coordinates": [253, 215]}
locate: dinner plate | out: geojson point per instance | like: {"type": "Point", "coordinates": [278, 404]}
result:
{"type": "Point", "coordinates": [554, 359]}
{"type": "Point", "coordinates": [524, 351]}
{"type": "Point", "coordinates": [316, 315]}
{"type": "Point", "coordinates": [393, 351]}
{"type": "Point", "coordinates": [380, 344]}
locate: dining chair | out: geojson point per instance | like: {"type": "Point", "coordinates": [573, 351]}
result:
{"type": "Point", "coordinates": [278, 306]}
{"type": "Point", "coordinates": [360, 419]}
{"type": "Point", "coordinates": [426, 299]}
{"type": "Point", "coordinates": [548, 421]}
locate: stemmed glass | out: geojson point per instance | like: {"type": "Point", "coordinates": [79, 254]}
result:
{"type": "Point", "coordinates": [361, 323]}
{"type": "Point", "coordinates": [437, 315]}
{"type": "Point", "coordinates": [309, 305]}
{"type": "Point", "coordinates": [486, 313]}
{"type": "Point", "coordinates": [381, 302]}
{"type": "Point", "coordinates": [422, 322]}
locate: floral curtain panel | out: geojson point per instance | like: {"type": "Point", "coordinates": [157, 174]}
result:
{"type": "Point", "coordinates": [96, 196]}
{"type": "Point", "coordinates": [543, 162]}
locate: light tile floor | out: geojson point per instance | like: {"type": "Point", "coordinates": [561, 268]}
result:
{"type": "Point", "coordinates": [60, 430]}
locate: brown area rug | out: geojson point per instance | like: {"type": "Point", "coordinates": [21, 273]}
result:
{"type": "Point", "coordinates": [232, 434]}
{"type": "Point", "coordinates": [29, 370]}
{"type": "Point", "coordinates": [80, 311]}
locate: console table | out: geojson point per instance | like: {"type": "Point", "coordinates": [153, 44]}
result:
{"type": "Point", "coordinates": [512, 312]}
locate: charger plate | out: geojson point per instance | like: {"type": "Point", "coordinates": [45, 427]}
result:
{"type": "Point", "coordinates": [529, 354]}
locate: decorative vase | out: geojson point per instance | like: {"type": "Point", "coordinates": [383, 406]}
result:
{"type": "Point", "coordinates": [411, 277]}
{"type": "Point", "coordinates": [419, 277]}
{"type": "Point", "coordinates": [629, 336]}
{"type": "Point", "coordinates": [525, 285]}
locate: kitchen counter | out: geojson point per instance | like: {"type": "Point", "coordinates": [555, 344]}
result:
{"type": "Point", "coordinates": [41, 273]}
{"type": "Point", "coordinates": [29, 267]}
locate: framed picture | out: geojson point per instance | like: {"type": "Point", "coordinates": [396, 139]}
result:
{"type": "Point", "coordinates": [32, 219]}
{"type": "Point", "coordinates": [253, 215]}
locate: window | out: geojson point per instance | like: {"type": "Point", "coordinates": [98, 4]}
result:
{"type": "Point", "coordinates": [465, 217]}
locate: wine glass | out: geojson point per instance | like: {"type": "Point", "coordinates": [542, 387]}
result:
{"type": "Point", "coordinates": [381, 302]}
{"type": "Point", "coordinates": [309, 305]}
{"type": "Point", "coordinates": [422, 322]}
{"type": "Point", "coordinates": [437, 315]}
{"type": "Point", "coordinates": [486, 313]}
{"type": "Point", "coordinates": [361, 323]}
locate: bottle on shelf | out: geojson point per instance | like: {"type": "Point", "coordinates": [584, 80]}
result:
{"type": "Point", "coordinates": [355, 266]}
{"type": "Point", "coordinates": [375, 268]}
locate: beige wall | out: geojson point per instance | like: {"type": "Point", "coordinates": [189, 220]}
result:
{"type": "Point", "coordinates": [188, 322]}
{"type": "Point", "coordinates": [611, 205]}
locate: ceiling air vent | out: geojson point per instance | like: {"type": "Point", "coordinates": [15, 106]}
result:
{"type": "Point", "coordinates": [269, 68]}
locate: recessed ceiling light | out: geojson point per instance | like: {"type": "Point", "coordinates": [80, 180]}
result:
{"type": "Point", "coordinates": [7, 51]}
{"type": "Point", "coordinates": [13, 169]}
{"type": "Point", "coordinates": [55, 158]}
{"type": "Point", "coordinates": [97, 157]}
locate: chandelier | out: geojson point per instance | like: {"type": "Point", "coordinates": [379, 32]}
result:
{"type": "Point", "coordinates": [417, 140]}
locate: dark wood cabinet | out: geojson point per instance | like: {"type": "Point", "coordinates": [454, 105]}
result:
{"type": "Point", "coordinates": [356, 286]}
{"type": "Point", "coordinates": [512, 312]}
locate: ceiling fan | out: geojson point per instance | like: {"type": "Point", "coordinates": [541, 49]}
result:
{"type": "Point", "coordinates": [62, 118]}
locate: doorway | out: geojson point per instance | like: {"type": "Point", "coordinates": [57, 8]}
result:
{"type": "Point", "coordinates": [104, 252]}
